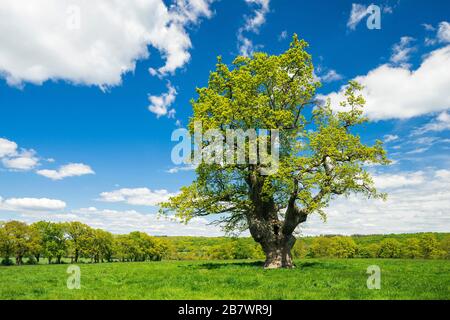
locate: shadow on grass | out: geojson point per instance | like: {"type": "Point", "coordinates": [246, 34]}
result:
{"type": "Point", "coordinates": [219, 265]}
{"type": "Point", "coordinates": [249, 264]}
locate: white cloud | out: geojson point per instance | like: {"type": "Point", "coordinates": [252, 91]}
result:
{"type": "Point", "coordinates": [252, 24]}
{"type": "Point", "coordinates": [418, 150]}
{"type": "Point", "coordinates": [419, 203]}
{"type": "Point", "coordinates": [283, 35]}
{"type": "Point", "coordinates": [7, 147]}
{"type": "Point", "coordinates": [69, 170]}
{"type": "Point", "coordinates": [31, 204]}
{"type": "Point", "coordinates": [92, 42]}
{"type": "Point", "coordinates": [259, 18]}
{"type": "Point", "coordinates": [390, 138]}
{"type": "Point", "coordinates": [330, 76]}
{"type": "Point", "coordinates": [401, 52]}
{"type": "Point", "coordinates": [159, 105]}
{"type": "Point", "coordinates": [428, 27]}
{"type": "Point", "coordinates": [137, 196]}
{"type": "Point", "coordinates": [24, 161]}
{"type": "Point", "coordinates": [14, 159]}
{"type": "Point", "coordinates": [392, 181]}
{"type": "Point", "coordinates": [441, 123]}
{"type": "Point", "coordinates": [400, 93]}
{"type": "Point", "coordinates": [443, 34]}
{"type": "Point", "coordinates": [358, 12]}
{"type": "Point", "coordinates": [120, 222]}
{"type": "Point", "coordinates": [182, 168]}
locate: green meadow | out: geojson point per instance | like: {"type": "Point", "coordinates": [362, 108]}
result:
{"type": "Point", "coordinates": [241, 279]}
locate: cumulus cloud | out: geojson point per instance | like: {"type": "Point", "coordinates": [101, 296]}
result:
{"type": "Point", "coordinates": [14, 158]}
{"type": "Point", "coordinates": [400, 93]}
{"type": "Point", "coordinates": [125, 221]}
{"type": "Point", "coordinates": [69, 170]}
{"type": "Point", "coordinates": [137, 196]}
{"type": "Point", "coordinates": [392, 181]}
{"type": "Point", "coordinates": [7, 147]}
{"type": "Point", "coordinates": [31, 204]}
{"type": "Point", "coordinates": [24, 161]}
{"type": "Point", "coordinates": [443, 34]}
{"type": "Point", "coordinates": [418, 203]}
{"type": "Point", "coordinates": [92, 42]}
{"type": "Point", "coordinates": [160, 105]}
{"type": "Point", "coordinates": [252, 25]}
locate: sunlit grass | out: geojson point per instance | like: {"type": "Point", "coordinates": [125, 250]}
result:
{"type": "Point", "coordinates": [312, 279]}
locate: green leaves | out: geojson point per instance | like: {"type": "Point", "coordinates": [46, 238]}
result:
{"type": "Point", "coordinates": [320, 156]}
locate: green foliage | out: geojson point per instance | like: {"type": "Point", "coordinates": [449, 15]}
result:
{"type": "Point", "coordinates": [333, 247]}
{"type": "Point", "coordinates": [300, 250]}
{"type": "Point", "coordinates": [320, 247]}
{"type": "Point", "coordinates": [445, 247]}
{"type": "Point", "coordinates": [343, 247]}
{"type": "Point", "coordinates": [44, 238]}
{"type": "Point", "coordinates": [16, 239]}
{"type": "Point", "coordinates": [430, 246]}
{"type": "Point", "coordinates": [412, 248]}
{"type": "Point", "coordinates": [390, 248]}
{"type": "Point", "coordinates": [57, 241]}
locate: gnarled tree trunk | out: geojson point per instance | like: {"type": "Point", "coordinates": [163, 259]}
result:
{"type": "Point", "coordinates": [275, 236]}
{"type": "Point", "coordinates": [278, 253]}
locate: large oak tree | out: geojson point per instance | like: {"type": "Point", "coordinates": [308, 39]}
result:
{"type": "Point", "coordinates": [321, 155]}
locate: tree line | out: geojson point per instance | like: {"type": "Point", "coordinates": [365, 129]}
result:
{"type": "Point", "coordinates": [420, 246]}
{"type": "Point", "coordinates": [74, 240]}
{"type": "Point", "coordinates": [406, 246]}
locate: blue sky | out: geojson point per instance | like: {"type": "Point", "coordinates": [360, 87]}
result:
{"type": "Point", "coordinates": [90, 94]}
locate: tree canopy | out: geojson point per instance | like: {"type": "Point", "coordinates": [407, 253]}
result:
{"type": "Point", "coordinates": [320, 155]}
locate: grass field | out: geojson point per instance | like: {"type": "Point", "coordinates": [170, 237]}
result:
{"type": "Point", "coordinates": [312, 279]}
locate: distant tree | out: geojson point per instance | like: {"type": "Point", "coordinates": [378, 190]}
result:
{"type": "Point", "coordinates": [445, 247]}
{"type": "Point", "coordinates": [18, 239]}
{"type": "Point", "coordinates": [320, 247]}
{"type": "Point", "coordinates": [429, 246]}
{"type": "Point", "coordinates": [78, 237]}
{"type": "Point", "coordinates": [159, 249]}
{"type": "Point", "coordinates": [6, 245]}
{"type": "Point", "coordinates": [122, 248]}
{"type": "Point", "coordinates": [300, 250]}
{"type": "Point", "coordinates": [321, 156]}
{"type": "Point", "coordinates": [54, 242]}
{"type": "Point", "coordinates": [390, 248]}
{"type": "Point", "coordinates": [362, 251]}
{"type": "Point", "coordinates": [342, 247]}
{"type": "Point", "coordinates": [412, 248]}
{"type": "Point", "coordinates": [99, 245]}
{"type": "Point", "coordinates": [224, 251]}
